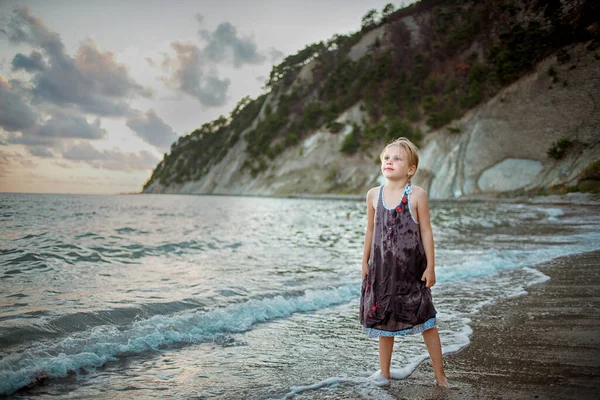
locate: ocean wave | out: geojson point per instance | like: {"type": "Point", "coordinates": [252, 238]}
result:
{"type": "Point", "coordinates": [55, 327]}
{"type": "Point", "coordinates": [492, 262]}
{"type": "Point", "coordinates": [94, 348]}
{"type": "Point", "coordinates": [124, 254]}
{"type": "Point", "coordinates": [128, 229]}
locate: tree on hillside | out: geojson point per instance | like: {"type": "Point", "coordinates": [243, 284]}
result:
{"type": "Point", "coordinates": [295, 61]}
{"type": "Point", "coordinates": [368, 20]}
{"type": "Point", "coordinates": [387, 11]}
{"type": "Point", "coordinates": [241, 105]}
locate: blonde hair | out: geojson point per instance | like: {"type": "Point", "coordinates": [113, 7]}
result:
{"type": "Point", "coordinates": [412, 153]}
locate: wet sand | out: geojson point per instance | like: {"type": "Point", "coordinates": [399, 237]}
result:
{"type": "Point", "coordinates": [543, 345]}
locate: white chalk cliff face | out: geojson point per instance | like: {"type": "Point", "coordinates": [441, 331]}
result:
{"type": "Point", "coordinates": [501, 145]}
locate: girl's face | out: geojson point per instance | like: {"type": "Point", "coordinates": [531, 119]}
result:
{"type": "Point", "coordinates": [394, 164]}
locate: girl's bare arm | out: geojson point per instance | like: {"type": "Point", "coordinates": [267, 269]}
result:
{"type": "Point", "coordinates": [422, 211]}
{"type": "Point", "coordinates": [368, 233]}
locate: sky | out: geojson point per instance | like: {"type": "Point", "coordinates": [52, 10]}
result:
{"type": "Point", "coordinates": [93, 93]}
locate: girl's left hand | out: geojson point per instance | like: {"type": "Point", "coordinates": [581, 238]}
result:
{"type": "Point", "coordinates": [428, 277]}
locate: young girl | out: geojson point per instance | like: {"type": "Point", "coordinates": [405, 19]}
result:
{"type": "Point", "coordinates": [398, 261]}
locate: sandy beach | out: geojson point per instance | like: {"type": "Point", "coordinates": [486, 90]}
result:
{"type": "Point", "coordinates": [544, 345]}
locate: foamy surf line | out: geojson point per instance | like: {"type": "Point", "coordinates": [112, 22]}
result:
{"type": "Point", "coordinates": [102, 344]}
{"type": "Point", "coordinates": [491, 263]}
{"type": "Point", "coordinates": [94, 348]}
{"type": "Point", "coordinates": [370, 386]}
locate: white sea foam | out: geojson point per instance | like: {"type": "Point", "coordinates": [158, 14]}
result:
{"type": "Point", "coordinates": [480, 264]}
{"type": "Point", "coordinates": [553, 213]}
{"type": "Point", "coordinates": [464, 294]}
{"type": "Point", "coordinates": [96, 347]}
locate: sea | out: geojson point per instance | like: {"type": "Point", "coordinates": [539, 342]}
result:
{"type": "Point", "coordinates": [182, 296]}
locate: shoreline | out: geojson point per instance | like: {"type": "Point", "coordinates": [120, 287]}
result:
{"type": "Point", "coordinates": [543, 345]}
{"type": "Point", "coordinates": [577, 198]}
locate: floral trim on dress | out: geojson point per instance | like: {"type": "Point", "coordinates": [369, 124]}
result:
{"type": "Point", "coordinates": [422, 327]}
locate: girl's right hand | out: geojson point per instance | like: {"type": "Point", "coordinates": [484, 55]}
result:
{"type": "Point", "coordinates": [365, 271]}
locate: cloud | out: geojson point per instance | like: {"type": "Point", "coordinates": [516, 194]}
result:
{"type": "Point", "coordinates": [193, 68]}
{"type": "Point", "coordinates": [15, 113]}
{"type": "Point", "coordinates": [62, 125]}
{"type": "Point", "coordinates": [111, 159]}
{"type": "Point", "coordinates": [152, 129]}
{"type": "Point", "coordinates": [25, 28]}
{"type": "Point", "coordinates": [224, 42]}
{"type": "Point", "coordinates": [31, 63]}
{"type": "Point", "coordinates": [39, 136]}
{"type": "Point", "coordinates": [106, 76]}
{"type": "Point", "coordinates": [92, 81]}
{"type": "Point", "coordinates": [187, 75]}
{"type": "Point", "coordinates": [42, 152]}
{"type": "Point", "coordinates": [32, 141]}
{"type": "Point", "coordinates": [65, 165]}
{"type": "Point", "coordinates": [10, 161]}
{"type": "Point", "coordinates": [275, 55]}
{"type": "Point", "coordinates": [84, 152]}
{"type": "Point", "coordinates": [52, 132]}
{"type": "Point", "coordinates": [214, 90]}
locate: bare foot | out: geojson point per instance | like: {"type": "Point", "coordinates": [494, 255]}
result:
{"type": "Point", "coordinates": [442, 382]}
{"type": "Point", "coordinates": [379, 379]}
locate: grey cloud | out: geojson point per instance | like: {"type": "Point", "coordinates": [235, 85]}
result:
{"type": "Point", "coordinates": [31, 141]}
{"type": "Point", "coordinates": [33, 62]}
{"type": "Point", "coordinates": [204, 34]}
{"type": "Point", "coordinates": [152, 129]}
{"type": "Point", "coordinates": [92, 81]}
{"type": "Point", "coordinates": [165, 64]}
{"type": "Point", "coordinates": [104, 74]}
{"type": "Point", "coordinates": [214, 91]}
{"type": "Point", "coordinates": [53, 132]}
{"type": "Point", "coordinates": [11, 160]}
{"type": "Point", "coordinates": [275, 54]}
{"type": "Point", "coordinates": [224, 41]}
{"type": "Point", "coordinates": [113, 160]}
{"type": "Point", "coordinates": [187, 71]}
{"type": "Point", "coordinates": [189, 68]}
{"type": "Point", "coordinates": [15, 113]}
{"type": "Point", "coordinates": [83, 152]}
{"type": "Point", "coordinates": [41, 152]}
{"type": "Point", "coordinates": [25, 28]}
{"type": "Point", "coordinates": [188, 76]}
{"type": "Point", "coordinates": [70, 126]}
{"type": "Point", "coordinates": [65, 85]}
{"type": "Point", "coordinates": [64, 164]}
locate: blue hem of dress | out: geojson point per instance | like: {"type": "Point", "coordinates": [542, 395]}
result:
{"type": "Point", "coordinates": [422, 327]}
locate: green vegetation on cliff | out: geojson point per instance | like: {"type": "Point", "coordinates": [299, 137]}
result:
{"type": "Point", "coordinates": [436, 60]}
{"type": "Point", "coordinates": [193, 155]}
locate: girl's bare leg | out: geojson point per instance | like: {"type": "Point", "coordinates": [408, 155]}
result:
{"type": "Point", "coordinates": [434, 347]}
{"type": "Point", "coordinates": [386, 345]}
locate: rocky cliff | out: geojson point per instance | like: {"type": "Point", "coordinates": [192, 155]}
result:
{"type": "Point", "coordinates": [503, 144]}
{"type": "Point", "coordinates": [539, 131]}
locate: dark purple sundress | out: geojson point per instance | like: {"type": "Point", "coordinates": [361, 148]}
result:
{"type": "Point", "coordinates": [393, 300]}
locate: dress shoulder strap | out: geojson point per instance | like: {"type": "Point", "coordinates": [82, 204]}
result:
{"type": "Point", "coordinates": [407, 192]}
{"type": "Point", "coordinates": [379, 197]}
